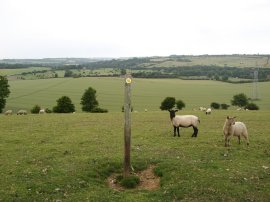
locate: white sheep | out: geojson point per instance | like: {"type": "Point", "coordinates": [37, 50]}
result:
{"type": "Point", "coordinates": [233, 128]}
{"type": "Point", "coordinates": [202, 108]}
{"type": "Point", "coordinates": [42, 111]}
{"type": "Point", "coordinates": [208, 111]}
{"type": "Point", "coordinates": [184, 121]}
{"type": "Point", "coordinates": [8, 112]}
{"type": "Point", "coordinates": [22, 112]}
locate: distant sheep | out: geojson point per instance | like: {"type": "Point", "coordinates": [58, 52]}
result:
{"type": "Point", "coordinates": [42, 111]}
{"type": "Point", "coordinates": [8, 112]}
{"type": "Point", "coordinates": [184, 121]}
{"type": "Point", "coordinates": [202, 108]}
{"type": "Point", "coordinates": [233, 128]}
{"type": "Point", "coordinates": [208, 111]}
{"type": "Point", "coordinates": [22, 112]}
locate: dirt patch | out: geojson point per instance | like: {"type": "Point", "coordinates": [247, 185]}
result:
{"type": "Point", "coordinates": [148, 180]}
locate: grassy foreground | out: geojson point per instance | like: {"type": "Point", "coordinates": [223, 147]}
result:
{"type": "Point", "coordinates": [68, 157]}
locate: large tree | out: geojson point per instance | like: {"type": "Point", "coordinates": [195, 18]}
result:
{"type": "Point", "coordinates": [4, 92]}
{"type": "Point", "coordinates": [239, 100]}
{"type": "Point", "coordinates": [88, 100]}
{"type": "Point", "coordinates": [167, 103]}
{"type": "Point", "coordinates": [64, 105]}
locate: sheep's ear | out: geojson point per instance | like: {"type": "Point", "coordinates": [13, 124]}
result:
{"type": "Point", "coordinates": [176, 110]}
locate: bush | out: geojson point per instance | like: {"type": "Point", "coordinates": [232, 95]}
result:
{"type": "Point", "coordinates": [35, 109]}
{"type": "Point", "coordinates": [224, 106]}
{"type": "Point", "coordinates": [48, 110]}
{"type": "Point", "coordinates": [251, 106]}
{"type": "Point", "coordinates": [215, 105]}
{"type": "Point", "coordinates": [99, 110]}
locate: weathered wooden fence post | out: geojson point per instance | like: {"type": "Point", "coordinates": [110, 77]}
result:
{"type": "Point", "coordinates": [127, 128]}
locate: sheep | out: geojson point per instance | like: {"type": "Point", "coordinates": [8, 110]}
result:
{"type": "Point", "coordinates": [22, 112]}
{"type": "Point", "coordinates": [208, 111]}
{"type": "Point", "coordinates": [42, 111]}
{"type": "Point", "coordinates": [184, 121]}
{"type": "Point", "coordinates": [233, 128]}
{"type": "Point", "coordinates": [202, 108]}
{"type": "Point", "coordinates": [8, 112]}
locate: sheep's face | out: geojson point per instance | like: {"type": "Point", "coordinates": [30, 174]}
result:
{"type": "Point", "coordinates": [231, 120]}
{"type": "Point", "coordinates": [172, 113]}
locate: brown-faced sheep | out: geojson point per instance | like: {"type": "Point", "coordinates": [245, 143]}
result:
{"type": "Point", "coordinates": [233, 128]}
{"type": "Point", "coordinates": [184, 121]}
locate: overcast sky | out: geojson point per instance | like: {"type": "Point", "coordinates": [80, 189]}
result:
{"type": "Point", "coordinates": [132, 28]}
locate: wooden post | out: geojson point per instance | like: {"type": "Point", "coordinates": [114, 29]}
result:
{"type": "Point", "coordinates": [127, 129]}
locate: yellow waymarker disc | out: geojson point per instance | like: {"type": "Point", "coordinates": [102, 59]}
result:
{"type": "Point", "coordinates": [128, 80]}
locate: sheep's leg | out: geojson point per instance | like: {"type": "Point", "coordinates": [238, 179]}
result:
{"type": "Point", "coordinates": [178, 132]}
{"type": "Point", "coordinates": [246, 138]}
{"type": "Point", "coordinates": [239, 139]}
{"type": "Point", "coordinates": [226, 141]}
{"type": "Point", "coordinates": [174, 131]}
{"type": "Point", "coordinates": [195, 134]}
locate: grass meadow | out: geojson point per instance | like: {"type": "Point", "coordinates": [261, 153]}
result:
{"type": "Point", "coordinates": [146, 93]}
{"type": "Point", "coordinates": [68, 157]}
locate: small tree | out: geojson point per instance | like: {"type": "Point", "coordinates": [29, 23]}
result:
{"type": "Point", "coordinates": [215, 105]}
{"type": "Point", "coordinates": [239, 100]}
{"type": "Point", "coordinates": [64, 105]}
{"type": "Point", "coordinates": [180, 104]}
{"type": "Point", "coordinates": [88, 100]}
{"type": "Point", "coordinates": [35, 109]}
{"type": "Point", "coordinates": [4, 92]}
{"type": "Point", "coordinates": [167, 103]}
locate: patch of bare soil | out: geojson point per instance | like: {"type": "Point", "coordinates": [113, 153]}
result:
{"type": "Point", "coordinates": [148, 180]}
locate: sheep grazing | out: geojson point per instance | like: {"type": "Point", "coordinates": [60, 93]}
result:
{"type": "Point", "coordinates": [208, 111]}
{"type": "Point", "coordinates": [184, 121]}
{"type": "Point", "coordinates": [42, 111]}
{"type": "Point", "coordinates": [22, 112]}
{"type": "Point", "coordinates": [233, 128]}
{"type": "Point", "coordinates": [202, 109]}
{"type": "Point", "coordinates": [8, 112]}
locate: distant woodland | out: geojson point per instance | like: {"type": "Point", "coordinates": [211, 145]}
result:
{"type": "Point", "coordinates": [228, 68]}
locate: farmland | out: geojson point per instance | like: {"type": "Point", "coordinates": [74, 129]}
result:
{"type": "Point", "coordinates": [146, 93]}
{"type": "Point", "coordinates": [68, 157]}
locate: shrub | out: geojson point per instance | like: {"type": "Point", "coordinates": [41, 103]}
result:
{"type": "Point", "coordinates": [215, 105]}
{"type": "Point", "coordinates": [35, 109]}
{"type": "Point", "coordinates": [251, 106]}
{"type": "Point", "coordinates": [99, 110]}
{"type": "Point", "coordinates": [48, 110]}
{"type": "Point", "coordinates": [224, 106]}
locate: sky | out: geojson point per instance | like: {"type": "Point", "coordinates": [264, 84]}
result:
{"type": "Point", "coordinates": [132, 28]}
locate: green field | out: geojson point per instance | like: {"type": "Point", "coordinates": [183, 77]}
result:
{"type": "Point", "coordinates": [146, 93]}
{"type": "Point", "coordinates": [68, 157]}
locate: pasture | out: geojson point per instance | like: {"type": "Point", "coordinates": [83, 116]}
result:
{"type": "Point", "coordinates": [146, 93]}
{"type": "Point", "coordinates": [68, 157]}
